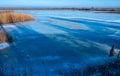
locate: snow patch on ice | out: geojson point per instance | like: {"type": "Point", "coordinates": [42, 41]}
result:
{"type": "Point", "coordinates": [3, 46]}
{"type": "Point", "coordinates": [10, 27]}
{"type": "Point", "coordinates": [69, 25]}
{"type": "Point", "coordinates": [45, 29]}
{"type": "Point", "coordinates": [87, 18]}
{"type": "Point", "coordinates": [118, 21]}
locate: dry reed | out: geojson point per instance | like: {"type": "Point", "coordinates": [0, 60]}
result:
{"type": "Point", "coordinates": [3, 37]}
{"type": "Point", "coordinates": [7, 17]}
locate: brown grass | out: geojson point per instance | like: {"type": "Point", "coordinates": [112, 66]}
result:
{"type": "Point", "coordinates": [3, 37]}
{"type": "Point", "coordinates": [11, 17]}
{"type": "Point", "coordinates": [7, 17]}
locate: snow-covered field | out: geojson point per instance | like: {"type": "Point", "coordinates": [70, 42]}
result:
{"type": "Point", "coordinates": [59, 40]}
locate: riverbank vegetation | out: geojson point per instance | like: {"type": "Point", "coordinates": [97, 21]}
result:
{"type": "Point", "coordinates": [7, 17]}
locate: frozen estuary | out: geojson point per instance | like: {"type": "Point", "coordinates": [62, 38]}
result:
{"type": "Point", "coordinates": [58, 40]}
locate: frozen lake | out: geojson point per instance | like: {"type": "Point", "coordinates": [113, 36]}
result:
{"type": "Point", "coordinates": [59, 39]}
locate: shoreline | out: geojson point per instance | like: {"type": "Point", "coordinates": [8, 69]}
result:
{"type": "Point", "coordinates": [97, 10]}
{"type": "Point", "coordinates": [112, 12]}
{"type": "Point", "coordinates": [92, 9]}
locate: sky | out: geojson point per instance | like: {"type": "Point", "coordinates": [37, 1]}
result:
{"type": "Point", "coordinates": [60, 3]}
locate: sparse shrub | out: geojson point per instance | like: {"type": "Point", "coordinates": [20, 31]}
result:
{"type": "Point", "coordinates": [112, 51]}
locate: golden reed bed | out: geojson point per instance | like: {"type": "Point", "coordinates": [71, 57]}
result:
{"type": "Point", "coordinates": [11, 17]}
{"type": "Point", "coordinates": [7, 17]}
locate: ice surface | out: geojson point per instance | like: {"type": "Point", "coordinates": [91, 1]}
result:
{"type": "Point", "coordinates": [60, 40]}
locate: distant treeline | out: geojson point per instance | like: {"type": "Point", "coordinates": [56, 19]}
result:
{"type": "Point", "coordinates": [86, 9]}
